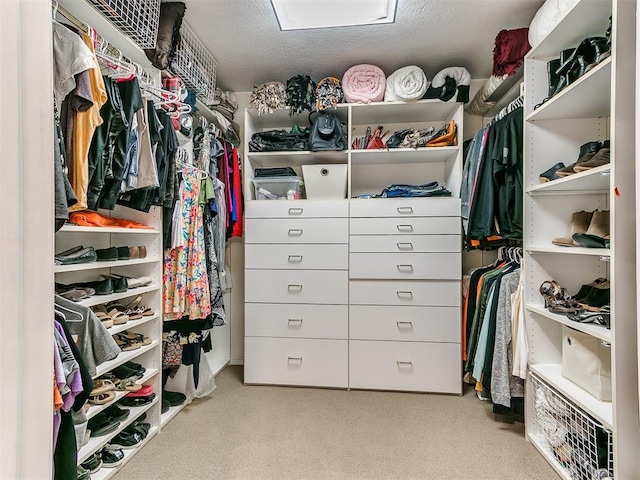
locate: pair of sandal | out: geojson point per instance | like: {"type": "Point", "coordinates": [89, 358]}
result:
{"type": "Point", "coordinates": [110, 316]}
{"type": "Point", "coordinates": [103, 392]}
{"type": "Point", "coordinates": [125, 384]}
{"type": "Point", "coordinates": [133, 310]}
{"type": "Point", "coordinates": [128, 341]}
{"type": "Point", "coordinates": [557, 299]}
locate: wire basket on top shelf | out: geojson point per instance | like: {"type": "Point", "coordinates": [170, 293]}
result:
{"type": "Point", "coordinates": [137, 19]}
{"type": "Point", "coordinates": [578, 442]}
{"type": "Point", "coordinates": [195, 65]}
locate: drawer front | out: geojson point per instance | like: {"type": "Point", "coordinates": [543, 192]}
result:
{"type": "Point", "coordinates": [430, 293]}
{"type": "Point", "coordinates": [406, 226]}
{"type": "Point", "coordinates": [296, 321]}
{"type": "Point", "coordinates": [405, 207]}
{"type": "Point", "coordinates": [297, 256]}
{"type": "Point", "coordinates": [297, 209]}
{"type": "Point", "coordinates": [412, 324]}
{"type": "Point", "coordinates": [296, 286]}
{"type": "Point", "coordinates": [406, 266]}
{"type": "Point", "coordinates": [404, 243]}
{"type": "Point", "coordinates": [301, 230]}
{"type": "Point", "coordinates": [296, 361]}
{"type": "Point", "coordinates": [409, 366]}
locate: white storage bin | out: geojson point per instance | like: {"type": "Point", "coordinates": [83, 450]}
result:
{"type": "Point", "coordinates": [325, 181]}
{"type": "Point", "coordinates": [278, 188]}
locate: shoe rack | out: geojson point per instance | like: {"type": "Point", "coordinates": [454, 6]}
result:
{"type": "Point", "coordinates": [598, 106]}
{"type": "Point", "coordinates": [149, 356]}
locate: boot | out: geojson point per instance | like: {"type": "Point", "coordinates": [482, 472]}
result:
{"type": "Point", "coordinates": [580, 222]}
{"type": "Point", "coordinates": [597, 233]}
{"type": "Point", "coordinates": [587, 152]}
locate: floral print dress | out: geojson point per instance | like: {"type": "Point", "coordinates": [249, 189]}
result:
{"type": "Point", "coordinates": [185, 282]}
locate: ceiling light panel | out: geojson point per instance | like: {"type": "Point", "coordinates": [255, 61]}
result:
{"type": "Point", "coordinates": [304, 14]}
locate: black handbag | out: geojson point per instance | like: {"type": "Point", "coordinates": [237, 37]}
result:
{"type": "Point", "coordinates": [327, 133]}
{"type": "Point", "coordinates": [398, 136]}
{"type": "Point", "coordinates": [280, 140]}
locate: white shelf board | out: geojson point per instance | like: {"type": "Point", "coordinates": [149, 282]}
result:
{"type": "Point", "coordinates": [167, 416]}
{"type": "Point", "coordinates": [124, 357]}
{"type": "Point", "coordinates": [586, 18]}
{"type": "Point", "coordinates": [381, 113]}
{"type": "Point", "coordinates": [106, 473]}
{"type": "Point", "coordinates": [404, 155]}
{"type": "Point", "coordinates": [96, 265]}
{"type": "Point", "coordinates": [258, 159]}
{"type": "Point", "coordinates": [104, 299]}
{"type": "Point", "coordinates": [128, 231]}
{"type": "Point", "coordinates": [96, 409]}
{"type": "Point", "coordinates": [595, 180]}
{"type": "Point", "coordinates": [550, 372]}
{"type": "Point", "coordinates": [588, 97]}
{"type": "Point", "coordinates": [132, 324]}
{"type": "Point", "coordinates": [593, 252]}
{"type": "Point", "coordinates": [592, 329]}
{"type": "Point", "coordinates": [96, 443]}
{"type": "Point", "coordinates": [539, 443]}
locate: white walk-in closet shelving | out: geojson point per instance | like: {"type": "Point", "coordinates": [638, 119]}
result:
{"type": "Point", "coordinates": [598, 106]}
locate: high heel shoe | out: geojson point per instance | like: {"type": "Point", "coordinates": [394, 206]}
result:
{"type": "Point", "coordinates": [557, 299]}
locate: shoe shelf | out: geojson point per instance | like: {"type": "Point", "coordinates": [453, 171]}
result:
{"type": "Point", "coordinates": [167, 416]}
{"type": "Point", "coordinates": [96, 409]}
{"type": "Point", "coordinates": [404, 155]}
{"type": "Point", "coordinates": [551, 373]}
{"type": "Point", "coordinates": [128, 231]}
{"type": "Point", "coordinates": [131, 324]}
{"type": "Point", "coordinates": [592, 329]}
{"type": "Point", "coordinates": [105, 473]}
{"type": "Point", "coordinates": [587, 97]}
{"type": "Point", "coordinates": [96, 443]}
{"type": "Point", "coordinates": [594, 252]}
{"type": "Point", "coordinates": [124, 357]}
{"type": "Point", "coordinates": [541, 445]}
{"type": "Point", "coordinates": [104, 299]}
{"type": "Point", "coordinates": [594, 181]}
{"type": "Point", "coordinates": [97, 265]}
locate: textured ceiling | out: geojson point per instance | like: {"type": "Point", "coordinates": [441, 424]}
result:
{"type": "Point", "coordinates": [245, 38]}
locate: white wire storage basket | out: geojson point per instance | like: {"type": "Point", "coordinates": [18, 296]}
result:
{"type": "Point", "coordinates": [579, 443]}
{"type": "Point", "coordinates": [138, 19]}
{"type": "Point", "coordinates": [195, 65]}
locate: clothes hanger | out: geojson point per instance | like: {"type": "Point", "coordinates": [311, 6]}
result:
{"type": "Point", "coordinates": [79, 317]}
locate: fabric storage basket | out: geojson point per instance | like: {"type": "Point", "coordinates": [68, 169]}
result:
{"type": "Point", "coordinates": [586, 361]}
{"type": "Point", "coordinates": [325, 181]}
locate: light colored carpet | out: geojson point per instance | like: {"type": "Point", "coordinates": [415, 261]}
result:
{"type": "Point", "coordinates": [279, 433]}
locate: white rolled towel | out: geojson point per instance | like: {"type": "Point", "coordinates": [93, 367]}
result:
{"type": "Point", "coordinates": [406, 84]}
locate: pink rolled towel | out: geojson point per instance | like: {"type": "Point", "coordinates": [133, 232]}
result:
{"type": "Point", "coordinates": [363, 84]}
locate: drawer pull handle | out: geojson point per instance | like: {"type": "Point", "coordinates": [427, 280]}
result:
{"type": "Point", "coordinates": [295, 258]}
{"type": "Point", "coordinates": [401, 363]}
{"type": "Point", "coordinates": [295, 359]}
{"type": "Point", "coordinates": [401, 323]}
{"type": "Point", "coordinates": [404, 210]}
{"type": "Point", "coordinates": [294, 287]}
{"type": "Point", "coordinates": [405, 228]}
{"type": "Point", "coordinates": [405, 293]}
{"type": "Point", "coordinates": [405, 245]}
{"type": "Point", "coordinates": [295, 211]}
{"type": "Point", "coordinates": [405, 268]}
{"type": "Point", "coordinates": [295, 232]}
{"type": "Point", "coordinates": [297, 321]}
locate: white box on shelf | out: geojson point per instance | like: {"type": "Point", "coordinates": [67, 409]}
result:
{"type": "Point", "coordinates": [325, 181]}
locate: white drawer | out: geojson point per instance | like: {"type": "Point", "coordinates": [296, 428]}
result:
{"type": "Point", "coordinates": [296, 286]}
{"type": "Point", "coordinates": [405, 207]}
{"type": "Point", "coordinates": [296, 321]}
{"type": "Point", "coordinates": [297, 208]}
{"type": "Point", "coordinates": [413, 324]}
{"type": "Point", "coordinates": [300, 230]}
{"type": "Point", "coordinates": [406, 266]}
{"type": "Point", "coordinates": [296, 361]}
{"type": "Point", "coordinates": [435, 293]}
{"type": "Point", "coordinates": [405, 226]}
{"type": "Point", "coordinates": [405, 243]}
{"type": "Point", "coordinates": [297, 256]}
{"type": "Point", "coordinates": [409, 366]}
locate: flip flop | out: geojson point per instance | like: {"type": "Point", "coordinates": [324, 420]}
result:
{"type": "Point", "coordinates": [102, 385]}
{"type": "Point", "coordinates": [101, 398]}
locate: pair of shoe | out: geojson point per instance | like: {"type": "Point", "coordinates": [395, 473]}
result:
{"type": "Point", "coordinates": [128, 341]}
{"type": "Point", "coordinates": [139, 400]}
{"type": "Point", "coordinates": [587, 229]}
{"type": "Point", "coordinates": [111, 455]}
{"type": "Point", "coordinates": [103, 392]}
{"type": "Point", "coordinates": [128, 370]}
{"type": "Point", "coordinates": [75, 255]}
{"type": "Point", "coordinates": [110, 254]}
{"type": "Point", "coordinates": [592, 155]}
{"type": "Point", "coordinates": [91, 464]}
{"type": "Point", "coordinates": [595, 295]}
{"type": "Point", "coordinates": [73, 293]}
{"type": "Point", "coordinates": [557, 299]}
{"type": "Point", "coordinates": [132, 435]}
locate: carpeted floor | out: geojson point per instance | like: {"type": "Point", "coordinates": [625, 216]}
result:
{"type": "Point", "coordinates": [278, 433]}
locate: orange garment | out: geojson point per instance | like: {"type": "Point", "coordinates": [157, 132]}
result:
{"type": "Point", "coordinates": [84, 124]}
{"type": "Point", "coordinates": [89, 218]}
{"type": "Point", "coordinates": [57, 398]}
